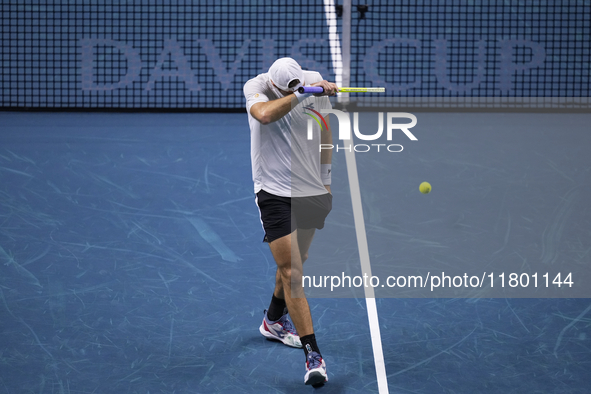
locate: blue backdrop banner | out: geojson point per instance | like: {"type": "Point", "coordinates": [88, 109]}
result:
{"type": "Point", "coordinates": [188, 54]}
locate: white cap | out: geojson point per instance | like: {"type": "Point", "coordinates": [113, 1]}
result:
{"type": "Point", "coordinates": [283, 71]}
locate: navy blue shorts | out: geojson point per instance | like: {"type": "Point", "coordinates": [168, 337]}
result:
{"type": "Point", "coordinates": [281, 216]}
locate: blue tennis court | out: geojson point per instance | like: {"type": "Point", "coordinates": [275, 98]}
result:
{"type": "Point", "coordinates": [132, 262]}
{"type": "Point", "coordinates": [131, 244]}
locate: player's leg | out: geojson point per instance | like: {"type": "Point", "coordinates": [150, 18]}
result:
{"type": "Point", "coordinates": [290, 253]}
{"type": "Point", "coordinates": [304, 237]}
{"type": "Point", "coordinates": [278, 311]}
{"type": "Point", "coordinates": [286, 252]}
{"type": "Point", "coordinates": [276, 219]}
{"type": "Point", "coordinates": [277, 307]}
{"type": "Point", "coordinates": [289, 247]}
{"type": "Point", "coordinates": [310, 214]}
{"type": "Point", "coordinates": [315, 365]}
{"type": "Point", "coordinates": [277, 324]}
{"type": "Point", "coordinates": [299, 243]}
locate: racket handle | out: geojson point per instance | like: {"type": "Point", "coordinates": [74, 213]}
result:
{"type": "Point", "coordinates": [311, 89]}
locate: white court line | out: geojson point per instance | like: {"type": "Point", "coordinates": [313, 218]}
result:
{"type": "Point", "coordinates": [335, 43]}
{"type": "Point", "coordinates": [370, 300]}
{"type": "Point", "coordinates": [372, 311]}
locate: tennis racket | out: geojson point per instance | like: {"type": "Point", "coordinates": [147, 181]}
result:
{"type": "Point", "coordinates": [320, 89]}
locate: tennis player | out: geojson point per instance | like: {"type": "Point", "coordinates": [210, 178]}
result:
{"type": "Point", "coordinates": [292, 187]}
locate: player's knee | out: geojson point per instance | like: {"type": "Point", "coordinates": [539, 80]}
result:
{"type": "Point", "coordinates": [290, 276]}
{"type": "Point", "coordinates": [285, 273]}
{"type": "Point", "coordinates": [294, 281]}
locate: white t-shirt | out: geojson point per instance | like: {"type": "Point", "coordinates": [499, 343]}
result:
{"type": "Point", "coordinates": [284, 161]}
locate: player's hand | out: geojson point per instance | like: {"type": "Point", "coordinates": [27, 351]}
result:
{"type": "Point", "coordinates": [330, 89]}
{"type": "Point", "coordinates": [327, 187]}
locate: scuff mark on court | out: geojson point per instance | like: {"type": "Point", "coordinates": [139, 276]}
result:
{"type": "Point", "coordinates": [213, 239]}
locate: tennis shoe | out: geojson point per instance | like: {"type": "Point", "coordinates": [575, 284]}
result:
{"type": "Point", "coordinates": [315, 370]}
{"type": "Point", "coordinates": [281, 330]}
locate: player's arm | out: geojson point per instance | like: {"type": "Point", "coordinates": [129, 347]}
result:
{"type": "Point", "coordinates": [272, 111]}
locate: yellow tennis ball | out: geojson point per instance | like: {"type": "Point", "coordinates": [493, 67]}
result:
{"type": "Point", "coordinates": [425, 187]}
